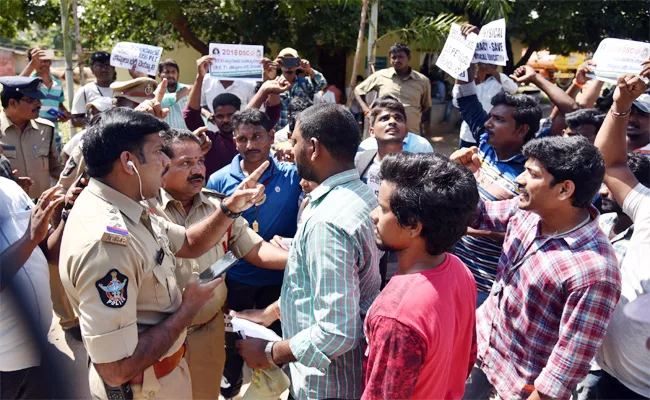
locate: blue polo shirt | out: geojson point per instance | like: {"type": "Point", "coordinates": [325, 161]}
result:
{"type": "Point", "coordinates": [277, 216]}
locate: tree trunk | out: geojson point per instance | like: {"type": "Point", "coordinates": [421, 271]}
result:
{"type": "Point", "coordinates": [532, 47]}
{"type": "Point", "coordinates": [177, 19]}
{"type": "Point", "coordinates": [509, 68]}
{"type": "Point", "coordinates": [357, 54]}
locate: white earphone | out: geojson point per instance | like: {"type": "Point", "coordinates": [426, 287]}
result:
{"type": "Point", "coordinates": [130, 163]}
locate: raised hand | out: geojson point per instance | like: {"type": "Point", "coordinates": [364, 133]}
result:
{"type": "Point", "coordinates": [206, 143]}
{"type": "Point", "coordinates": [524, 74]}
{"type": "Point", "coordinates": [467, 157]}
{"type": "Point", "coordinates": [203, 65]}
{"type": "Point", "coordinates": [628, 88]}
{"type": "Point", "coordinates": [583, 70]}
{"type": "Point", "coordinates": [154, 106]}
{"type": "Point", "coordinates": [250, 192]}
{"type": "Point", "coordinates": [40, 219]}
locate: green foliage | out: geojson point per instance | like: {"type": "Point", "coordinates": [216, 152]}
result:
{"type": "Point", "coordinates": [19, 15]}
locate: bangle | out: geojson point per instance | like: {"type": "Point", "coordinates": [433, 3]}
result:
{"type": "Point", "coordinates": [620, 114]}
{"type": "Point", "coordinates": [366, 112]}
{"type": "Point", "coordinates": [275, 308]}
{"type": "Point", "coordinates": [579, 85]}
{"type": "Point", "coordinates": [268, 352]}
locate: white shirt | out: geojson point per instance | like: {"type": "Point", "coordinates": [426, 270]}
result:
{"type": "Point", "coordinates": [73, 142]}
{"type": "Point", "coordinates": [412, 143]}
{"type": "Point", "coordinates": [371, 176]}
{"type": "Point", "coordinates": [18, 350]}
{"type": "Point", "coordinates": [485, 91]}
{"type": "Point", "coordinates": [212, 88]}
{"type": "Point", "coordinates": [324, 98]}
{"type": "Point", "coordinates": [624, 354]}
{"type": "Point", "coordinates": [86, 94]}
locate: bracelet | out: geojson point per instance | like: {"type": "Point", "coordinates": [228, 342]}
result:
{"type": "Point", "coordinates": [64, 215]}
{"type": "Point", "coordinates": [268, 352]}
{"type": "Point", "coordinates": [227, 212]}
{"type": "Point", "coordinates": [275, 308]}
{"type": "Point", "coordinates": [579, 85]}
{"type": "Point", "coordinates": [620, 114]}
{"type": "Point", "coordinates": [366, 112]}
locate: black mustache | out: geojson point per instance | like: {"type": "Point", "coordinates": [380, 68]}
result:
{"type": "Point", "coordinates": [195, 176]}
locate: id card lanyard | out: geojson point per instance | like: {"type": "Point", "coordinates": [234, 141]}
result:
{"type": "Point", "coordinates": [255, 225]}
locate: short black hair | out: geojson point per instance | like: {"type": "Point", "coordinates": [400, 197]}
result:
{"type": "Point", "coordinates": [398, 48]}
{"type": "Point", "coordinates": [605, 100]}
{"type": "Point", "coordinates": [226, 99]}
{"type": "Point", "coordinates": [640, 166]}
{"type": "Point", "coordinates": [173, 135]}
{"type": "Point", "coordinates": [527, 110]}
{"type": "Point", "coordinates": [570, 159]}
{"type": "Point", "coordinates": [7, 95]}
{"type": "Point", "coordinates": [296, 106]}
{"type": "Point", "coordinates": [386, 103]}
{"type": "Point", "coordinates": [586, 116]}
{"type": "Point", "coordinates": [29, 52]}
{"type": "Point", "coordinates": [168, 63]}
{"type": "Point", "coordinates": [118, 130]}
{"type": "Point", "coordinates": [434, 191]}
{"type": "Point", "coordinates": [251, 116]}
{"type": "Point", "coordinates": [335, 127]}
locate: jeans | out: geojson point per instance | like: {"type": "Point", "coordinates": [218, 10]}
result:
{"type": "Point", "coordinates": [477, 386]}
{"type": "Point", "coordinates": [601, 385]}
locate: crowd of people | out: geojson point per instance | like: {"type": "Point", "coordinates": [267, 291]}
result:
{"type": "Point", "coordinates": [387, 270]}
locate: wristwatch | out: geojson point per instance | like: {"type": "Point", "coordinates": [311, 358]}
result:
{"type": "Point", "coordinates": [227, 212]}
{"type": "Point", "coordinates": [268, 352]}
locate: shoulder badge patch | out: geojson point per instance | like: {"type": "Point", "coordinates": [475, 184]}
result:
{"type": "Point", "coordinates": [112, 289]}
{"type": "Point", "coordinates": [69, 167]}
{"type": "Point", "coordinates": [116, 231]}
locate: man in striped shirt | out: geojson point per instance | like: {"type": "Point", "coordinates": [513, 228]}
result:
{"type": "Point", "coordinates": [176, 95]}
{"type": "Point", "coordinates": [332, 275]}
{"type": "Point", "coordinates": [500, 134]}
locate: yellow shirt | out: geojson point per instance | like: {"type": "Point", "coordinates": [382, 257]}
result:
{"type": "Point", "coordinates": [414, 91]}
{"type": "Point", "coordinates": [32, 152]}
{"type": "Point", "coordinates": [240, 240]}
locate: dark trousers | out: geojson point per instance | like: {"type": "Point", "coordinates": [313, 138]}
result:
{"type": "Point", "coordinates": [29, 383]}
{"type": "Point", "coordinates": [243, 297]}
{"type": "Point", "coordinates": [601, 385]}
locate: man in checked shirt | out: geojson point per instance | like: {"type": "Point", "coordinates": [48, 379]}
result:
{"type": "Point", "coordinates": [557, 281]}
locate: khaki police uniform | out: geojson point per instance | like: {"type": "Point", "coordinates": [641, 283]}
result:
{"type": "Point", "coordinates": [206, 352]}
{"type": "Point", "coordinates": [73, 169]}
{"type": "Point", "coordinates": [32, 152]}
{"type": "Point", "coordinates": [117, 267]}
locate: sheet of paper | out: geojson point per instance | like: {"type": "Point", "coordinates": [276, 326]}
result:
{"type": "Point", "coordinates": [457, 54]}
{"type": "Point", "coordinates": [491, 48]}
{"type": "Point", "coordinates": [251, 329]}
{"type": "Point", "coordinates": [236, 61]}
{"type": "Point", "coordinates": [616, 57]}
{"type": "Point", "coordinates": [144, 56]}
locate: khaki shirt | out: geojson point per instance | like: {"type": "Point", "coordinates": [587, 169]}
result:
{"type": "Point", "coordinates": [240, 239]}
{"type": "Point", "coordinates": [117, 267]}
{"type": "Point", "coordinates": [32, 152]}
{"type": "Point", "coordinates": [414, 91]}
{"type": "Point", "coordinates": [73, 169]}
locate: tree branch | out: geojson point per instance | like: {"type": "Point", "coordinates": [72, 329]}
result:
{"type": "Point", "coordinates": [532, 47]}
{"type": "Point", "coordinates": [178, 20]}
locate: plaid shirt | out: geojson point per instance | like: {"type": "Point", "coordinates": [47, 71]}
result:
{"type": "Point", "coordinates": [302, 87]}
{"type": "Point", "coordinates": [331, 279]}
{"type": "Point", "coordinates": [550, 305]}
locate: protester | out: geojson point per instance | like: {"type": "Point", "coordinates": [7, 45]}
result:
{"type": "Point", "coordinates": [388, 119]}
{"type": "Point", "coordinates": [117, 261]}
{"type": "Point", "coordinates": [334, 251]}
{"type": "Point", "coordinates": [511, 122]}
{"type": "Point", "coordinates": [585, 122]}
{"type": "Point", "coordinates": [638, 126]}
{"type": "Point", "coordinates": [420, 329]}
{"type": "Point", "coordinates": [28, 141]}
{"type": "Point", "coordinates": [176, 95]}
{"type": "Point", "coordinates": [40, 62]}
{"type": "Point", "coordinates": [301, 86]}
{"type": "Point", "coordinates": [296, 106]}
{"type": "Point", "coordinates": [250, 286]}
{"type": "Point", "coordinates": [105, 74]}
{"type": "Point", "coordinates": [324, 96]}
{"type": "Point", "coordinates": [184, 201]}
{"type": "Point", "coordinates": [213, 87]}
{"type": "Point", "coordinates": [623, 355]}
{"type": "Point", "coordinates": [401, 81]}
{"type": "Point", "coordinates": [489, 82]}
{"type": "Point", "coordinates": [557, 282]}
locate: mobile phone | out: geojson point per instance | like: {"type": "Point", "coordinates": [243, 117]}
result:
{"type": "Point", "coordinates": [49, 54]}
{"type": "Point", "coordinates": [290, 62]}
{"type": "Point", "coordinates": [55, 113]}
{"type": "Point", "coordinates": [218, 268]}
{"type": "Point", "coordinates": [78, 183]}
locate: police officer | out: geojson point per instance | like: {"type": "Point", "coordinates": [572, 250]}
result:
{"type": "Point", "coordinates": [184, 201]}
{"type": "Point", "coordinates": [127, 94]}
{"type": "Point", "coordinates": [28, 141]}
{"type": "Point", "coordinates": [117, 261]}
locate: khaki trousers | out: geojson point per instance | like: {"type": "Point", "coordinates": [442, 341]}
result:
{"type": "Point", "coordinates": [206, 356]}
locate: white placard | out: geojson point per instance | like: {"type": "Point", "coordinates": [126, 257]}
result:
{"type": "Point", "coordinates": [491, 48]}
{"type": "Point", "coordinates": [144, 56]}
{"type": "Point", "coordinates": [458, 52]}
{"type": "Point", "coordinates": [616, 57]}
{"type": "Point", "coordinates": [236, 61]}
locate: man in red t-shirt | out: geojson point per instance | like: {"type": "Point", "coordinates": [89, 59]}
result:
{"type": "Point", "coordinates": [420, 331]}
